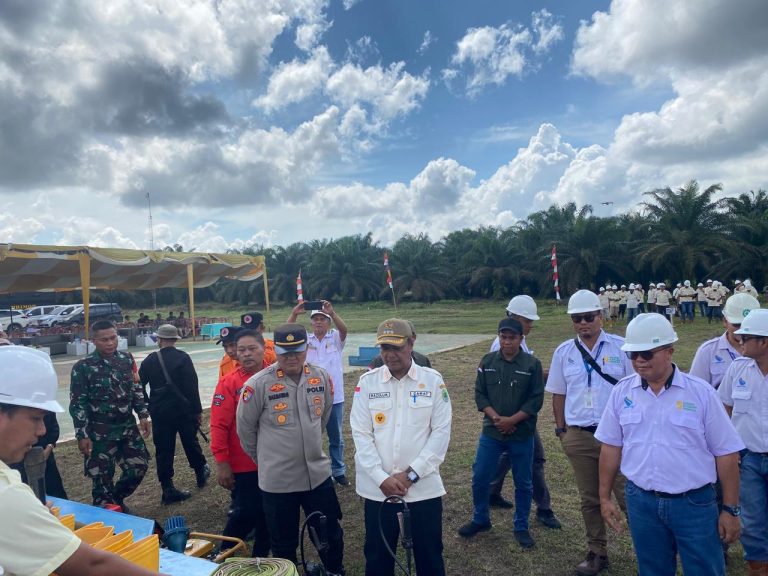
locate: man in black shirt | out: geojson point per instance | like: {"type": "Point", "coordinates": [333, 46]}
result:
{"type": "Point", "coordinates": [174, 404]}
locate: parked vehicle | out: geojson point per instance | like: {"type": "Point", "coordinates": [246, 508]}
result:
{"type": "Point", "coordinates": [110, 311]}
{"type": "Point", "coordinates": [58, 316]}
{"type": "Point", "coordinates": [13, 319]}
{"type": "Point", "coordinates": [37, 311]}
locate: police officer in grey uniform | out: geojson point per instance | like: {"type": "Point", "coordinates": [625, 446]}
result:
{"type": "Point", "coordinates": [281, 416]}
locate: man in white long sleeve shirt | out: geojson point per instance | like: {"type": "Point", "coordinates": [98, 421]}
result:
{"type": "Point", "coordinates": [401, 425]}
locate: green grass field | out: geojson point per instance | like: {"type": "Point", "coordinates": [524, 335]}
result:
{"type": "Point", "coordinates": [491, 553]}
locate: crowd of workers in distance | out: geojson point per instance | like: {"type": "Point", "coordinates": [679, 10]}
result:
{"type": "Point", "coordinates": [682, 456]}
{"type": "Point", "coordinates": [626, 302]}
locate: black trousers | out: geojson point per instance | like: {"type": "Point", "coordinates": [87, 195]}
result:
{"type": "Point", "coordinates": [282, 512]}
{"type": "Point", "coordinates": [540, 488]}
{"type": "Point", "coordinates": [426, 529]}
{"type": "Point", "coordinates": [164, 430]}
{"type": "Point", "coordinates": [246, 514]}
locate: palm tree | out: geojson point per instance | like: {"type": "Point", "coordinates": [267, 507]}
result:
{"type": "Point", "coordinates": [687, 231]}
{"type": "Point", "coordinates": [417, 269]}
{"type": "Point", "coordinates": [283, 265]}
{"type": "Point", "coordinates": [747, 251]}
{"type": "Point", "coordinates": [496, 258]}
{"type": "Point", "coordinates": [348, 268]}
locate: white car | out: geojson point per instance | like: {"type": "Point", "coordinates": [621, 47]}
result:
{"type": "Point", "coordinates": [58, 316]}
{"type": "Point", "coordinates": [37, 311]}
{"type": "Point", "coordinates": [13, 320]}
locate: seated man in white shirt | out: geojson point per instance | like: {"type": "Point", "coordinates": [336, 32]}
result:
{"type": "Point", "coordinates": [32, 540]}
{"type": "Point", "coordinates": [401, 425]}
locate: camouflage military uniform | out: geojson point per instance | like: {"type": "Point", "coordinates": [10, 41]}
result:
{"type": "Point", "coordinates": [103, 396]}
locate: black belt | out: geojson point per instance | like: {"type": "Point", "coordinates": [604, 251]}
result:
{"type": "Point", "coordinates": [590, 429]}
{"type": "Point", "coordinates": [681, 495]}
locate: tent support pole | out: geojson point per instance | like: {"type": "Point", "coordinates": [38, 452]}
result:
{"type": "Point", "coordinates": [191, 290]}
{"type": "Point", "coordinates": [85, 285]}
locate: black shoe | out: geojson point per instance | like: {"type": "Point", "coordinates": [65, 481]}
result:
{"type": "Point", "coordinates": [523, 538]}
{"type": "Point", "coordinates": [470, 529]}
{"type": "Point", "coordinates": [341, 480]}
{"type": "Point", "coordinates": [592, 565]}
{"type": "Point", "coordinates": [548, 519]}
{"type": "Point", "coordinates": [171, 494]}
{"type": "Point", "coordinates": [498, 501]}
{"type": "Point", "coordinates": [202, 475]}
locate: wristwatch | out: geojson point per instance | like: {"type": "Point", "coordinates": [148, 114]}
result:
{"type": "Point", "coordinates": [732, 510]}
{"type": "Point", "coordinates": [412, 476]}
{"type": "Point", "coordinates": [559, 431]}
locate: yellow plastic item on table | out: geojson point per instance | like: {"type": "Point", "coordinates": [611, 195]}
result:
{"type": "Point", "coordinates": [144, 552]}
{"type": "Point", "coordinates": [116, 542]}
{"type": "Point", "coordinates": [93, 534]}
{"type": "Point", "coordinates": [68, 520]}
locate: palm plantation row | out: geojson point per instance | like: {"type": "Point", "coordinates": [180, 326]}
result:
{"type": "Point", "coordinates": [674, 235]}
{"type": "Point", "coordinates": [670, 236]}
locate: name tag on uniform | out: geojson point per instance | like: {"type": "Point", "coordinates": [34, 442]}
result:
{"type": "Point", "coordinates": [588, 403]}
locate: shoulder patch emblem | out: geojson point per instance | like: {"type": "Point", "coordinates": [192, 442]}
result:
{"type": "Point", "coordinates": [247, 394]}
{"type": "Point", "coordinates": [280, 373]}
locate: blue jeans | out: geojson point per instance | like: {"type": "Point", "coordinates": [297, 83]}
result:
{"type": "Point", "coordinates": [703, 309]}
{"type": "Point", "coordinates": [336, 440]}
{"type": "Point", "coordinates": [753, 495]}
{"type": "Point", "coordinates": [663, 527]}
{"type": "Point", "coordinates": [686, 310]}
{"type": "Point", "coordinates": [631, 313]}
{"type": "Point", "coordinates": [484, 469]}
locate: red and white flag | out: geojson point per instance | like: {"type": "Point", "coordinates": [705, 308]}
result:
{"type": "Point", "coordinates": [299, 292]}
{"type": "Point", "coordinates": [389, 272]}
{"type": "Point", "coordinates": [554, 273]}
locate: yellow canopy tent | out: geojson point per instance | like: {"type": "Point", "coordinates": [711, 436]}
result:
{"type": "Point", "coordinates": [28, 267]}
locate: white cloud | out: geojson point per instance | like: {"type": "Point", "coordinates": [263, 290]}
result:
{"type": "Point", "coordinates": [390, 91]}
{"type": "Point", "coordinates": [626, 40]}
{"type": "Point", "coordinates": [716, 119]}
{"type": "Point", "coordinates": [22, 230]}
{"type": "Point", "coordinates": [295, 81]}
{"type": "Point", "coordinates": [426, 42]}
{"type": "Point", "coordinates": [490, 55]}
{"type": "Point", "coordinates": [348, 4]}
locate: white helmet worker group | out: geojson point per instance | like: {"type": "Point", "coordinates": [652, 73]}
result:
{"type": "Point", "coordinates": [27, 378]}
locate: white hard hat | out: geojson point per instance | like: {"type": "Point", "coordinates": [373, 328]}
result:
{"type": "Point", "coordinates": [747, 283]}
{"type": "Point", "coordinates": [661, 285]}
{"type": "Point", "coordinates": [623, 285]}
{"type": "Point", "coordinates": [27, 378]}
{"type": "Point", "coordinates": [709, 281]}
{"type": "Point", "coordinates": [631, 286]}
{"type": "Point", "coordinates": [687, 282]}
{"type": "Point", "coordinates": [700, 285]}
{"type": "Point", "coordinates": [652, 284]}
{"type": "Point", "coordinates": [738, 306]}
{"type": "Point", "coordinates": [638, 285]}
{"type": "Point", "coordinates": [584, 301]}
{"type": "Point", "coordinates": [614, 287]}
{"type": "Point", "coordinates": [737, 281]}
{"type": "Point", "coordinates": [716, 284]}
{"type": "Point", "coordinates": [601, 289]}
{"type": "Point", "coordinates": [648, 331]}
{"type": "Point", "coordinates": [755, 323]}
{"type": "Point", "coordinates": [524, 306]}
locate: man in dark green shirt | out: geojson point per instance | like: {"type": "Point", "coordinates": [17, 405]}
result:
{"type": "Point", "coordinates": [509, 390]}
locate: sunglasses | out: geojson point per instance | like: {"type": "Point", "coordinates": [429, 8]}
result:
{"type": "Point", "coordinates": [579, 318]}
{"type": "Point", "coordinates": [644, 354]}
{"type": "Point", "coordinates": [744, 338]}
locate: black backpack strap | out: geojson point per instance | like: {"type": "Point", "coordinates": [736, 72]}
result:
{"type": "Point", "coordinates": [587, 357]}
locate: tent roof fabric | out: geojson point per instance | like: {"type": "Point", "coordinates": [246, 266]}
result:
{"type": "Point", "coordinates": [27, 267]}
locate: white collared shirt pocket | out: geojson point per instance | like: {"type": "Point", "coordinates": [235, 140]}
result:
{"type": "Point", "coordinates": [742, 398]}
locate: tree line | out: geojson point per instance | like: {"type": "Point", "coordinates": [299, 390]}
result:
{"type": "Point", "coordinates": [672, 235]}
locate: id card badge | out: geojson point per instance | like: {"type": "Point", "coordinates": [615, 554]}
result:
{"type": "Point", "coordinates": [588, 398]}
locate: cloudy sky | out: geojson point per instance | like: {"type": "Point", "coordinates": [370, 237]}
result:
{"type": "Point", "coordinates": [274, 121]}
